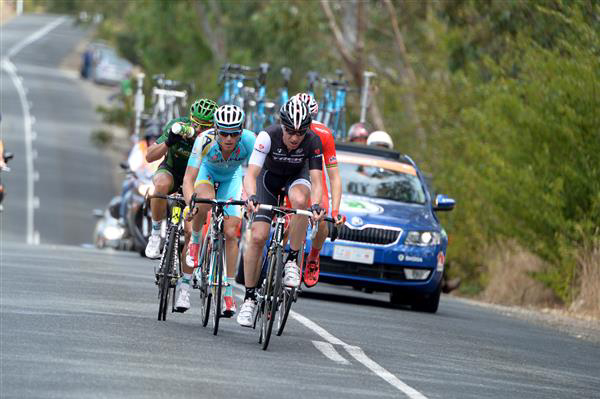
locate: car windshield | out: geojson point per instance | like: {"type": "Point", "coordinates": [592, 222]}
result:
{"type": "Point", "coordinates": [378, 182]}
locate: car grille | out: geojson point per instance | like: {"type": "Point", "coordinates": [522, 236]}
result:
{"type": "Point", "coordinates": [369, 235]}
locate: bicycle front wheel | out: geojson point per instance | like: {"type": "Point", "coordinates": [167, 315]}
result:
{"type": "Point", "coordinates": [205, 292]}
{"type": "Point", "coordinates": [164, 283]}
{"type": "Point", "coordinates": [272, 292]}
{"type": "Point", "coordinates": [219, 262]}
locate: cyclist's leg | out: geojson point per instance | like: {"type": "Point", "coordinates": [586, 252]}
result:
{"type": "Point", "coordinates": [203, 188]}
{"type": "Point", "coordinates": [299, 194]}
{"type": "Point", "coordinates": [254, 247]}
{"type": "Point", "coordinates": [231, 188]}
{"type": "Point", "coordinates": [311, 272]}
{"type": "Point", "coordinates": [163, 184]}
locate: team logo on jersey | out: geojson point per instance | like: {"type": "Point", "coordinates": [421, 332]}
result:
{"type": "Point", "coordinates": [299, 150]}
{"type": "Point", "coordinates": [332, 159]}
{"type": "Point", "coordinates": [317, 151]}
{"type": "Point", "coordinates": [261, 147]}
{"type": "Point", "coordinates": [279, 150]}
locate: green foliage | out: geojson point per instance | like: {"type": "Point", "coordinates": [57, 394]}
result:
{"type": "Point", "coordinates": [507, 92]}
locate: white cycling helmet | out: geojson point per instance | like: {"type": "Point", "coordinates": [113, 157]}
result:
{"type": "Point", "coordinates": [380, 138]}
{"type": "Point", "coordinates": [229, 118]}
{"type": "Point", "coordinates": [311, 103]}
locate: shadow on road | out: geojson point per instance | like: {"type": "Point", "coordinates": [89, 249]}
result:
{"type": "Point", "coordinates": [348, 298]}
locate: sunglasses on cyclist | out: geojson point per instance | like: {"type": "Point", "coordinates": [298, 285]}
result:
{"type": "Point", "coordinates": [291, 132]}
{"type": "Point", "coordinates": [229, 134]}
{"type": "Point", "coordinates": [201, 124]}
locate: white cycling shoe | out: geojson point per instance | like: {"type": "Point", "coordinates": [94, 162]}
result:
{"type": "Point", "coordinates": [291, 277]}
{"type": "Point", "coordinates": [182, 293]}
{"type": "Point", "coordinates": [246, 316]}
{"type": "Point", "coordinates": [153, 247]}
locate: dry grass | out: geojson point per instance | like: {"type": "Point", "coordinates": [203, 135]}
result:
{"type": "Point", "coordinates": [588, 278]}
{"type": "Point", "coordinates": [508, 270]}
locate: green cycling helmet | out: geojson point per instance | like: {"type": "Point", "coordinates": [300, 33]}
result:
{"type": "Point", "coordinates": [203, 110]}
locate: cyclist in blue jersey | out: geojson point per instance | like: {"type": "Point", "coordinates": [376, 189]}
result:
{"type": "Point", "coordinates": [217, 158]}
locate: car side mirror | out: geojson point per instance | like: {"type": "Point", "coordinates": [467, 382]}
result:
{"type": "Point", "coordinates": [98, 213]}
{"type": "Point", "coordinates": [124, 165]}
{"type": "Point", "coordinates": [443, 203]}
{"type": "Point", "coordinates": [8, 156]}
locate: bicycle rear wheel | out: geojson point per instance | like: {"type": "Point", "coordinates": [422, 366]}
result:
{"type": "Point", "coordinates": [272, 292]}
{"type": "Point", "coordinates": [164, 283]}
{"type": "Point", "coordinates": [219, 261]}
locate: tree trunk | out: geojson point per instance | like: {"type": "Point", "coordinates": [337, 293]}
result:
{"type": "Point", "coordinates": [409, 80]}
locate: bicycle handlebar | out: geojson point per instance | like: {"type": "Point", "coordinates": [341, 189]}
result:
{"type": "Point", "coordinates": [216, 202]}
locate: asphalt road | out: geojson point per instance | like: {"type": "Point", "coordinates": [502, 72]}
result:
{"type": "Point", "coordinates": [68, 177]}
{"type": "Point", "coordinates": [81, 323]}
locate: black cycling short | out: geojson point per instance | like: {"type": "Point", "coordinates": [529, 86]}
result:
{"type": "Point", "coordinates": [269, 185]}
{"type": "Point", "coordinates": [177, 178]}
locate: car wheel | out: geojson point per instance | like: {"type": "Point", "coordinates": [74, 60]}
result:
{"type": "Point", "coordinates": [428, 303]}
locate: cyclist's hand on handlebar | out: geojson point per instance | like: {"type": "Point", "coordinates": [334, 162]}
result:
{"type": "Point", "coordinates": [339, 219]}
{"type": "Point", "coordinates": [187, 215]}
{"type": "Point", "coordinates": [252, 203]}
{"type": "Point", "coordinates": [318, 212]}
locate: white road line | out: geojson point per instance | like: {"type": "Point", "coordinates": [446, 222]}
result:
{"type": "Point", "coordinates": [10, 68]}
{"type": "Point", "coordinates": [34, 36]}
{"type": "Point", "coordinates": [33, 236]}
{"type": "Point", "coordinates": [359, 355]}
{"type": "Point", "coordinates": [329, 351]}
{"type": "Point", "coordinates": [316, 328]}
{"type": "Point", "coordinates": [355, 351]}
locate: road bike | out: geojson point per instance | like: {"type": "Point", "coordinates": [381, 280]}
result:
{"type": "Point", "coordinates": [271, 294]}
{"type": "Point", "coordinates": [332, 109]}
{"type": "Point", "coordinates": [167, 99]}
{"type": "Point", "coordinates": [212, 262]}
{"type": "Point", "coordinates": [283, 95]}
{"type": "Point", "coordinates": [169, 270]}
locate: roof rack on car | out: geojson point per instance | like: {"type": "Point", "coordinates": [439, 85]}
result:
{"type": "Point", "coordinates": [371, 150]}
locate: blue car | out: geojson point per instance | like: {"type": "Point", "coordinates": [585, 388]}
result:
{"type": "Point", "coordinates": [392, 240]}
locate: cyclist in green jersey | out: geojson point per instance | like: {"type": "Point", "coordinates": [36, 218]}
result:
{"type": "Point", "coordinates": [175, 145]}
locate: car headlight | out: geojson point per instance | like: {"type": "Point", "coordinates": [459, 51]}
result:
{"type": "Point", "coordinates": [416, 274]}
{"type": "Point", "coordinates": [143, 188]}
{"type": "Point", "coordinates": [423, 238]}
{"type": "Point", "coordinates": [113, 232]}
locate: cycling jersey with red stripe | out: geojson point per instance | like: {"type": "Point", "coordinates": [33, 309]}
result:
{"type": "Point", "coordinates": [329, 157]}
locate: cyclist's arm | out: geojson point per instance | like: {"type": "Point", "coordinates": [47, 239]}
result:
{"type": "Point", "coordinates": [2, 163]}
{"type": "Point", "coordinates": [316, 191]}
{"type": "Point", "coordinates": [315, 166]}
{"type": "Point", "coordinates": [201, 144]}
{"type": "Point", "coordinates": [336, 187]}
{"type": "Point", "coordinates": [158, 149]}
{"type": "Point", "coordinates": [191, 173]}
{"type": "Point", "coordinates": [262, 146]}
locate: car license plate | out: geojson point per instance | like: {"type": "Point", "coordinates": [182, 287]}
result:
{"type": "Point", "coordinates": [353, 254]}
